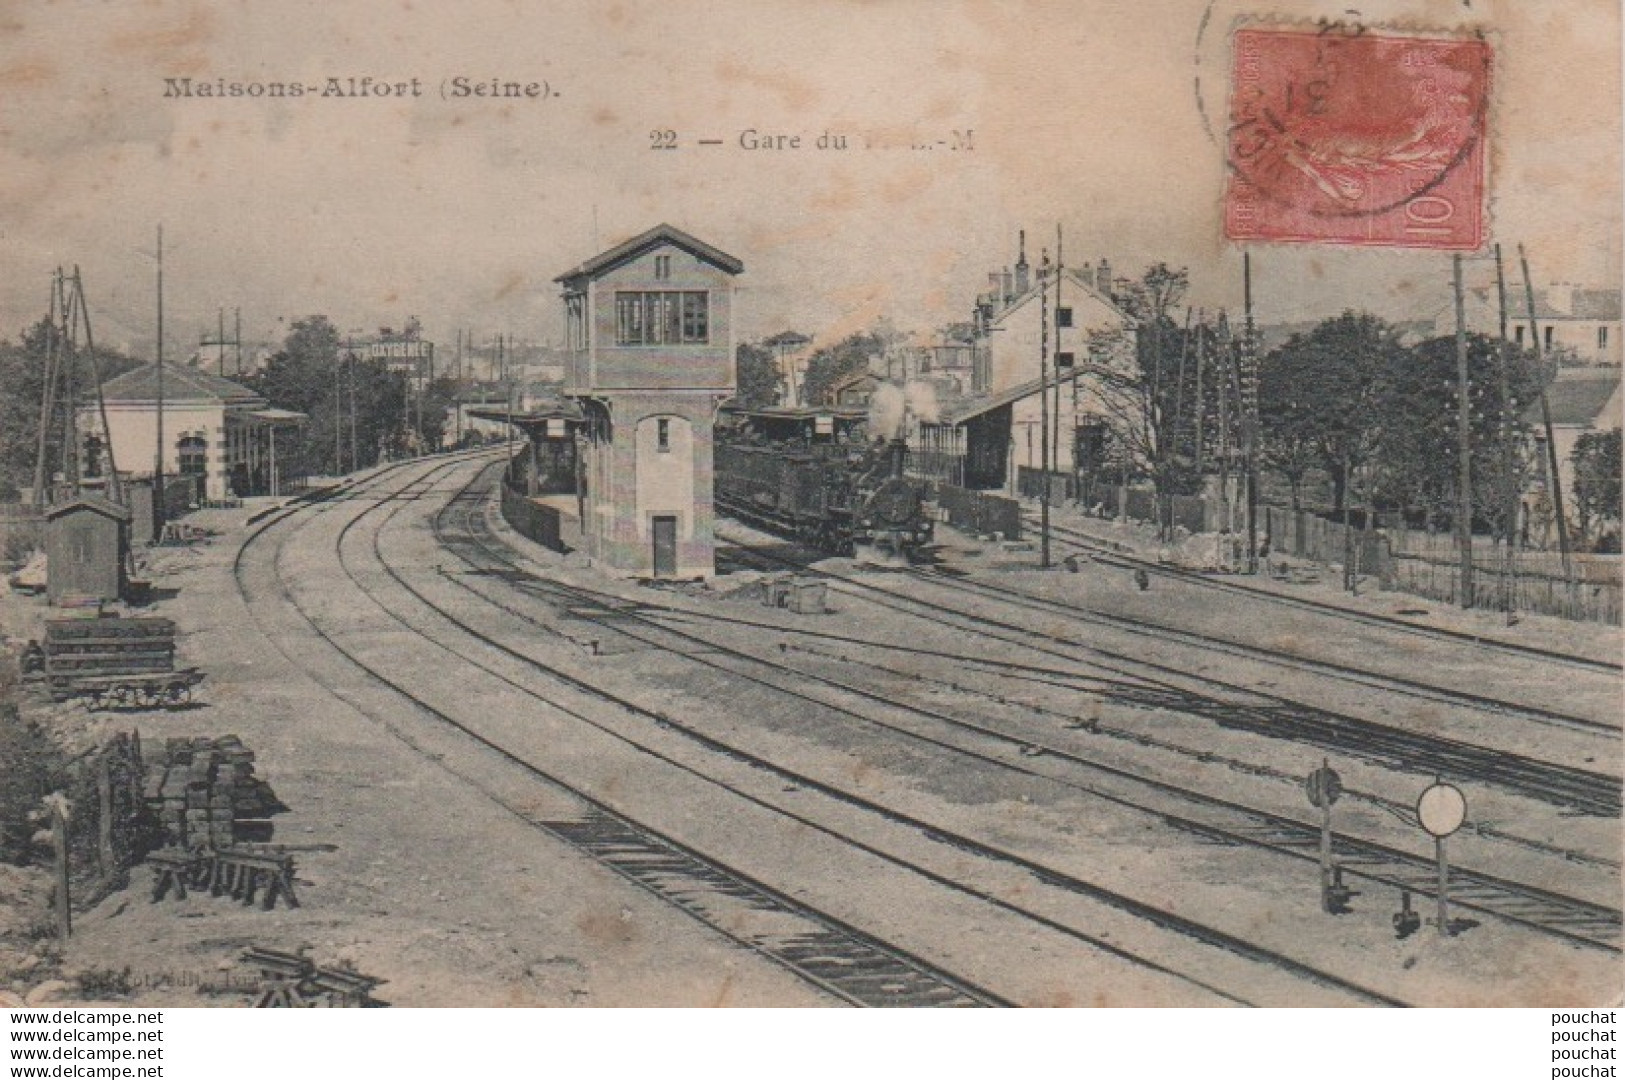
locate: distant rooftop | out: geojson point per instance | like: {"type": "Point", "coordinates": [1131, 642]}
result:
{"type": "Point", "coordinates": [180, 384]}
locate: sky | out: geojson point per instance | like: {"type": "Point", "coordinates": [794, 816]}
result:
{"type": "Point", "coordinates": [1091, 115]}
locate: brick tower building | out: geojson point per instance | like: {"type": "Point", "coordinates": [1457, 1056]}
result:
{"type": "Point", "coordinates": [650, 357]}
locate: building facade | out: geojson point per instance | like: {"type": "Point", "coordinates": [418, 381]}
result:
{"type": "Point", "coordinates": [649, 333]}
{"type": "Point", "coordinates": [1034, 328]}
{"type": "Point", "coordinates": [213, 428]}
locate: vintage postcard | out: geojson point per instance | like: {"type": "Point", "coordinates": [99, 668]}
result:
{"type": "Point", "coordinates": [792, 503]}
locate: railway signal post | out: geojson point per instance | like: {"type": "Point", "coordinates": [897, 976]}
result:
{"type": "Point", "coordinates": [1323, 787]}
{"type": "Point", "coordinates": [1441, 809]}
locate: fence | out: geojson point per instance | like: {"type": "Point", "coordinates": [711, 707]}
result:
{"type": "Point", "coordinates": [979, 512]}
{"type": "Point", "coordinates": [531, 519]}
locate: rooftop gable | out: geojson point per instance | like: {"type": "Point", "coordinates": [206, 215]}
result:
{"type": "Point", "coordinates": [180, 384]}
{"type": "Point", "coordinates": [625, 252]}
{"type": "Point", "coordinates": [105, 507]}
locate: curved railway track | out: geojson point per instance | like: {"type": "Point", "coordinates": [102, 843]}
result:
{"type": "Point", "coordinates": [841, 959]}
{"type": "Point", "coordinates": [1568, 918]}
{"type": "Point", "coordinates": [1182, 927]}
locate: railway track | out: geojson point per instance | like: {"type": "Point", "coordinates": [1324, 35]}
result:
{"type": "Point", "coordinates": [1394, 684]}
{"type": "Point", "coordinates": [825, 951]}
{"type": "Point", "coordinates": [1112, 554]}
{"type": "Point", "coordinates": [964, 845]}
{"type": "Point", "coordinates": [1244, 708]}
{"type": "Point", "coordinates": [1569, 918]}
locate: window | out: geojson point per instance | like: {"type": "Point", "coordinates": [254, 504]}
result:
{"type": "Point", "coordinates": [662, 267]}
{"type": "Point", "coordinates": [1548, 337]}
{"type": "Point", "coordinates": [1602, 337]}
{"type": "Point", "coordinates": [1063, 316]}
{"type": "Point", "coordinates": [696, 318]}
{"type": "Point", "coordinates": [1519, 337]}
{"type": "Point", "coordinates": [1065, 360]}
{"type": "Point", "coordinates": [662, 318]}
{"type": "Point", "coordinates": [663, 436]}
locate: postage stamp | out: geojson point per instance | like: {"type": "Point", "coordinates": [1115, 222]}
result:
{"type": "Point", "coordinates": [1359, 139]}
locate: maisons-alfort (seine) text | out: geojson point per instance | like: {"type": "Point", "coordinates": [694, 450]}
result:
{"type": "Point", "coordinates": [353, 86]}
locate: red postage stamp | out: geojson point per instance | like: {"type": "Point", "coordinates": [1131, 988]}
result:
{"type": "Point", "coordinates": [1355, 138]}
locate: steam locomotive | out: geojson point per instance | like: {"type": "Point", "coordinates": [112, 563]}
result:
{"type": "Point", "coordinates": [829, 496]}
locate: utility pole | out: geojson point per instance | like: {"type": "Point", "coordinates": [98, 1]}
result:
{"type": "Point", "coordinates": [1201, 397]}
{"type": "Point", "coordinates": [237, 336]}
{"type": "Point", "coordinates": [1556, 484]}
{"type": "Point", "coordinates": [1043, 413]}
{"type": "Point", "coordinates": [1509, 463]}
{"type": "Point", "coordinates": [114, 488]}
{"type": "Point", "coordinates": [1249, 407]}
{"type": "Point", "coordinates": [220, 341]}
{"type": "Point", "coordinates": [1224, 432]}
{"type": "Point", "coordinates": [1464, 445]}
{"type": "Point", "coordinates": [158, 455]}
{"type": "Point", "coordinates": [1055, 445]}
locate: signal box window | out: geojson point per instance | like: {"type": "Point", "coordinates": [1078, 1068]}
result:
{"type": "Point", "coordinates": [662, 318]}
{"type": "Point", "coordinates": [662, 267]}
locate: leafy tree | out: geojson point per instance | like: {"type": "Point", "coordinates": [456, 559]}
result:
{"type": "Point", "coordinates": [357, 408]}
{"type": "Point", "coordinates": [1419, 460]}
{"type": "Point", "coordinates": [834, 362]}
{"type": "Point", "coordinates": [1151, 400]}
{"type": "Point", "coordinates": [1597, 481]}
{"type": "Point", "coordinates": [22, 384]}
{"type": "Point", "coordinates": [757, 375]}
{"type": "Point", "coordinates": [1322, 392]}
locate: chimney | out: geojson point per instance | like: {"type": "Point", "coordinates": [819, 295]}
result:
{"type": "Point", "coordinates": [1022, 281]}
{"type": "Point", "coordinates": [1009, 283]}
{"type": "Point", "coordinates": [1103, 278]}
{"type": "Point", "coordinates": [1560, 297]}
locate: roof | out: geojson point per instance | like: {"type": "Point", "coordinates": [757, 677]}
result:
{"type": "Point", "coordinates": [661, 234]}
{"type": "Point", "coordinates": [1585, 305]}
{"type": "Point", "coordinates": [975, 407]}
{"type": "Point", "coordinates": [105, 507]}
{"type": "Point", "coordinates": [1578, 400]}
{"type": "Point", "coordinates": [553, 410]}
{"type": "Point", "coordinates": [180, 384]}
{"type": "Point", "coordinates": [1076, 280]}
{"type": "Point", "coordinates": [279, 416]}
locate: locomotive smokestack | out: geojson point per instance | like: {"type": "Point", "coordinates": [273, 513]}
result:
{"type": "Point", "coordinates": [898, 449]}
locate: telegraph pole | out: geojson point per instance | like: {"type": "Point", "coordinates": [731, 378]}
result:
{"type": "Point", "coordinates": [1509, 555]}
{"type": "Point", "coordinates": [158, 455]}
{"type": "Point", "coordinates": [1556, 485]}
{"type": "Point", "coordinates": [1043, 413]}
{"type": "Point", "coordinates": [1249, 410]}
{"type": "Point", "coordinates": [1464, 445]}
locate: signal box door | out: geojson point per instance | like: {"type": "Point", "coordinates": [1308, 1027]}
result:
{"type": "Point", "coordinates": [665, 540]}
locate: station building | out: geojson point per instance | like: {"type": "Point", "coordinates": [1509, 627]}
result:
{"type": "Point", "coordinates": [1036, 330]}
{"type": "Point", "coordinates": [215, 429]}
{"type": "Point", "coordinates": [649, 334]}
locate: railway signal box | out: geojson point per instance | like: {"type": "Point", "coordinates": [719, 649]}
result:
{"type": "Point", "coordinates": [651, 358]}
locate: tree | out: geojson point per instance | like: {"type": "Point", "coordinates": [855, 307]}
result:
{"type": "Point", "coordinates": [834, 362]}
{"type": "Point", "coordinates": [757, 375]}
{"type": "Point", "coordinates": [22, 384]}
{"type": "Point", "coordinates": [1322, 392]}
{"type": "Point", "coordinates": [1151, 400]}
{"type": "Point", "coordinates": [1420, 442]}
{"type": "Point", "coordinates": [356, 408]}
{"type": "Point", "coordinates": [1597, 482]}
